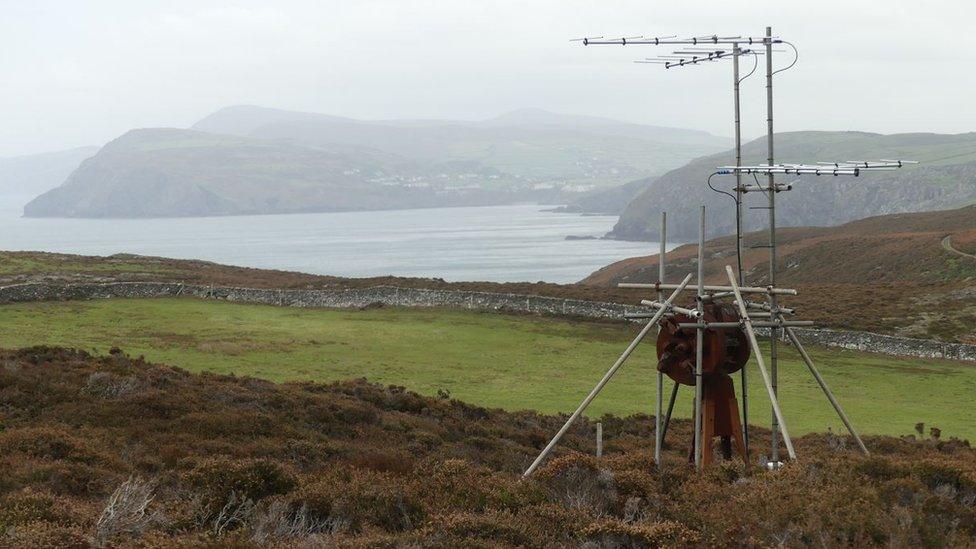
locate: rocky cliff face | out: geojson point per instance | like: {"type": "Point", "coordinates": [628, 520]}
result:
{"type": "Point", "coordinates": [946, 178]}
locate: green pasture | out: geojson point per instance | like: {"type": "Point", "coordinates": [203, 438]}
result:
{"type": "Point", "coordinates": [494, 360]}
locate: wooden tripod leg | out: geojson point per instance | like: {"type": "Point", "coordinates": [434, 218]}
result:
{"type": "Point", "coordinates": [737, 438]}
{"type": "Point", "coordinates": [708, 427]}
{"type": "Point", "coordinates": [721, 419]}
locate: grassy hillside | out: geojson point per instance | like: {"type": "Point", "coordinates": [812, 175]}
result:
{"type": "Point", "coordinates": [511, 362]}
{"type": "Point", "coordinates": [532, 144]}
{"type": "Point", "coordinates": [887, 273]}
{"type": "Point", "coordinates": [172, 172]}
{"type": "Point", "coordinates": [115, 451]}
{"type": "Point", "coordinates": [248, 160]}
{"type": "Point", "coordinates": [946, 178]}
{"type": "Point", "coordinates": [886, 280]}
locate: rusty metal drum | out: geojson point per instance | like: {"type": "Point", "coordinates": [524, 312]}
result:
{"type": "Point", "coordinates": [724, 351]}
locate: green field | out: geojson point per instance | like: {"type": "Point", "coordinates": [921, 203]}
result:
{"type": "Point", "coordinates": [494, 360]}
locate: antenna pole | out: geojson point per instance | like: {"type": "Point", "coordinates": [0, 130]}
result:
{"type": "Point", "coordinates": [773, 332]}
{"type": "Point", "coordinates": [658, 434]}
{"type": "Point", "coordinates": [699, 340]}
{"type": "Point", "coordinates": [779, 328]}
{"type": "Point", "coordinates": [736, 53]}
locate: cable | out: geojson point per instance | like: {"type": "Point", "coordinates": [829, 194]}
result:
{"type": "Point", "coordinates": [730, 195]}
{"type": "Point", "coordinates": [738, 217]}
{"type": "Point", "coordinates": [796, 57]}
{"type": "Point", "coordinates": [755, 64]}
{"type": "Point", "coordinates": [738, 220]}
{"type": "Point", "coordinates": [760, 187]}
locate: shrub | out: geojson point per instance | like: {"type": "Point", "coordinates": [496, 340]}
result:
{"type": "Point", "coordinates": [29, 506]}
{"type": "Point", "coordinates": [935, 474]}
{"type": "Point", "coordinates": [356, 498]}
{"type": "Point", "coordinates": [880, 468]}
{"type": "Point", "coordinates": [70, 478]}
{"type": "Point", "coordinates": [580, 483]}
{"type": "Point", "coordinates": [276, 522]}
{"type": "Point", "coordinates": [48, 443]}
{"type": "Point", "coordinates": [106, 385]}
{"type": "Point", "coordinates": [127, 511]}
{"type": "Point", "coordinates": [616, 533]}
{"type": "Point", "coordinates": [219, 480]}
{"type": "Point", "coordinates": [46, 534]}
{"type": "Point", "coordinates": [496, 527]}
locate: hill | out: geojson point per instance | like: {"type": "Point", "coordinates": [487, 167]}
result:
{"type": "Point", "coordinates": [894, 281]}
{"type": "Point", "coordinates": [883, 273]}
{"type": "Point", "coordinates": [252, 160]}
{"type": "Point", "coordinates": [946, 178]}
{"type": "Point", "coordinates": [533, 144]}
{"type": "Point", "coordinates": [31, 175]}
{"type": "Point", "coordinates": [117, 451]}
{"type": "Point", "coordinates": [173, 172]}
{"type": "Point", "coordinates": [610, 201]}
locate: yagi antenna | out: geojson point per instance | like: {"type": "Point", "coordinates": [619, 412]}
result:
{"type": "Point", "coordinates": [702, 448]}
{"type": "Point", "coordinates": [586, 39]}
{"type": "Point", "coordinates": [673, 40]}
{"type": "Point", "coordinates": [900, 161]}
{"type": "Point", "coordinates": [693, 51]}
{"type": "Point", "coordinates": [847, 167]}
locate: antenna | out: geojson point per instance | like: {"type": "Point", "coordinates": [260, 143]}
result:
{"type": "Point", "coordinates": [695, 51]}
{"type": "Point", "coordinates": [673, 40]}
{"type": "Point", "coordinates": [710, 321]}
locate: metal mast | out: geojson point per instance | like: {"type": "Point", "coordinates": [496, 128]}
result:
{"type": "Point", "coordinates": [778, 324]}
{"type": "Point", "coordinates": [774, 332]}
{"type": "Point", "coordinates": [687, 57]}
{"type": "Point", "coordinates": [736, 53]}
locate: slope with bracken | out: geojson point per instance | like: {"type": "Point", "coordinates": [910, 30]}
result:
{"type": "Point", "coordinates": [888, 273]}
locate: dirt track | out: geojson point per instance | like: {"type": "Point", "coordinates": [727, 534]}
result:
{"type": "Point", "coordinates": [947, 244]}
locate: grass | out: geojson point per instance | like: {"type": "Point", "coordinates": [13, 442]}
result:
{"type": "Point", "coordinates": [27, 263]}
{"type": "Point", "coordinates": [511, 362]}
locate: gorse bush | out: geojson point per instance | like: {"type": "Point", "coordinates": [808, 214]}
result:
{"type": "Point", "coordinates": [113, 451]}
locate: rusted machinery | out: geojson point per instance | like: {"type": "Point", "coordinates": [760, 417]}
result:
{"type": "Point", "coordinates": [724, 352]}
{"type": "Point", "coordinates": [701, 347]}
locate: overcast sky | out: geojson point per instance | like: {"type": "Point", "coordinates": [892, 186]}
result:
{"type": "Point", "coordinates": [82, 72]}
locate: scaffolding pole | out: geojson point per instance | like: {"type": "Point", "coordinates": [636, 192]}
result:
{"type": "Point", "coordinates": [773, 332]}
{"type": "Point", "coordinates": [751, 333]}
{"type": "Point", "coordinates": [658, 438]}
{"type": "Point", "coordinates": [606, 378]}
{"type": "Point", "coordinates": [700, 339]}
{"type": "Point", "coordinates": [823, 385]}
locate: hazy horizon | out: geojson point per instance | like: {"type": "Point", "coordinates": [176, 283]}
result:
{"type": "Point", "coordinates": [85, 73]}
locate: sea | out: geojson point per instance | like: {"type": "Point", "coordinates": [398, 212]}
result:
{"type": "Point", "coordinates": [521, 243]}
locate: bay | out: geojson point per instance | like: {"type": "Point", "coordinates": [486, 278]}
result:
{"type": "Point", "coordinates": [497, 243]}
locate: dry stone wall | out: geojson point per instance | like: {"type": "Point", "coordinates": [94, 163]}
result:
{"type": "Point", "coordinates": [479, 301]}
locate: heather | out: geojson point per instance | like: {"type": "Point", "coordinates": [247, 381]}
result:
{"type": "Point", "coordinates": [114, 451]}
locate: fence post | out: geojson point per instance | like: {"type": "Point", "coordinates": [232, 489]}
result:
{"type": "Point", "coordinates": [599, 440]}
